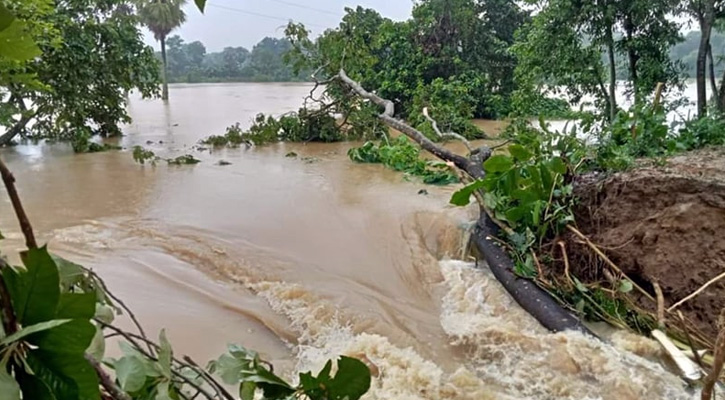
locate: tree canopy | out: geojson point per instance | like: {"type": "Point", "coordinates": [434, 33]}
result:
{"type": "Point", "coordinates": [59, 98]}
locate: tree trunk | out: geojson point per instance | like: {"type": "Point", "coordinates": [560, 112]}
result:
{"type": "Point", "coordinates": [165, 87]}
{"type": "Point", "coordinates": [633, 58]}
{"type": "Point", "coordinates": [711, 72]}
{"type": "Point", "coordinates": [705, 30]}
{"type": "Point", "coordinates": [612, 76]}
{"type": "Point", "coordinates": [721, 94]}
{"type": "Point", "coordinates": [15, 130]}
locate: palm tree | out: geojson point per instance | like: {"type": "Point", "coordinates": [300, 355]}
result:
{"type": "Point", "coordinates": [162, 17]}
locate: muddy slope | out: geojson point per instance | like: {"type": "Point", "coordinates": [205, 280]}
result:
{"type": "Point", "coordinates": [665, 223]}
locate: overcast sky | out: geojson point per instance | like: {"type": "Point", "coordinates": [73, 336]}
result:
{"type": "Point", "coordinates": [246, 22]}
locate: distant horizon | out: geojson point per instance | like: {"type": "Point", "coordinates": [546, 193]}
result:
{"type": "Point", "coordinates": [235, 23]}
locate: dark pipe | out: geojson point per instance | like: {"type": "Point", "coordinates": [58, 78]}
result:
{"type": "Point", "coordinates": [530, 297]}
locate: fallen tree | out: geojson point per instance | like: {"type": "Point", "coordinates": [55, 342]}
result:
{"type": "Point", "coordinates": [532, 298]}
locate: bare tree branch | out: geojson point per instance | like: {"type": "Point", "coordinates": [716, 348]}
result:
{"type": "Point", "coordinates": [443, 135]}
{"type": "Point", "coordinates": [9, 181]}
{"type": "Point", "coordinates": [106, 381]}
{"type": "Point", "coordinates": [472, 166]}
{"type": "Point", "coordinates": [134, 340]}
{"type": "Point", "coordinates": [120, 303]}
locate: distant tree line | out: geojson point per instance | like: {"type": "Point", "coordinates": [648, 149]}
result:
{"type": "Point", "coordinates": [190, 62]}
{"type": "Point", "coordinates": [686, 52]}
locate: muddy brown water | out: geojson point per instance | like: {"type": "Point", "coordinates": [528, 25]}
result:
{"type": "Point", "coordinates": [304, 261]}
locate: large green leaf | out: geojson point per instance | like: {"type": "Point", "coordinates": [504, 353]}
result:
{"type": "Point", "coordinates": [97, 348]}
{"type": "Point", "coordinates": [6, 17]}
{"type": "Point", "coordinates": [498, 163]}
{"type": "Point", "coordinates": [9, 388]}
{"type": "Point", "coordinates": [35, 291]}
{"type": "Point", "coordinates": [33, 388]}
{"type": "Point", "coordinates": [558, 165]}
{"type": "Point", "coordinates": [72, 338]}
{"type": "Point", "coordinates": [462, 197]}
{"type": "Point", "coordinates": [16, 43]}
{"type": "Point", "coordinates": [77, 305]}
{"type": "Point", "coordinates": [69, 376]}
{"type": "Point", "coordinates": [247, 390]}
{"type": "Point", "coordinates": [519, 152]}
{"type": "Point", "coordinates": [200, 4]}
{"type": "Point", "coordinates": [29, 330]}
{"type": "Point", "coordinates": [70, 273]}
{"type": "Point", "coordinates": [351, 381]}
{"type": "Point", "coordinates": [163, 391]}
{"type": "Point", "coordinates": [131, 373]}
{"type": "Point", "coordinates": [229, 369]}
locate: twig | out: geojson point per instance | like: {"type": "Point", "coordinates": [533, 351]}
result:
{"type": "Point", "coordinates": [120, 302]}
{"type": "Point", "coordinates": [134, 338]}
{"type": "Point", "coordinates": [540, 270]}
{"type": "Point", "coordinates": [717, 365]}
{"type": "Point", "coordinates": [106, 381]}
{"type": "Point", "coordinates": [9, 181]}
{"type": "Point", "coordinates": [696, 292]}
{"type": "Point", "coordinates": [660, 303]}
{"type": "Point", "coordinates": [608, 261]}
{"type": "Point", "coordinates": [210, 379]}
{"type": "Point", "coordinates": [442, 135]}
{"type": "Point", "coordinates": [498, 146]}
{"type": "Point", "coordinates": [690, 343]}
{"type": "Point", "coordinates": [566, 263]}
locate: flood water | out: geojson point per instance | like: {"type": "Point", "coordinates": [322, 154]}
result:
{"type": "Point", "coordinates": [304, 261]}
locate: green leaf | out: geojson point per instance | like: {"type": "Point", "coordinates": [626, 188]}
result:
{"type": "Point", "coordinates": [246, 390]}
{"type": "Point", "coordinates": [67, 376]}
{"type": "Point", "coordinates": [72, 338]}
{"type": "Point", "coordinates": [558, 165]}
{"type": "Point", "coordinates": [77, 305]}
{"type": "Point", "coordinates": [33, 388]}
{"type": "Point", "coordinates": [316, 387]}
{"type": "Point", "coordinates": [131, 373]}
{"type": "Point", "coordinates": [625, 286]}
{"type": "Point", "coordinates": [165, 354]}
{"type": "Point", "coordinates": [351, 381]}
{"type": "Point", "coordinates": [16, 43]}
{"type": "Point", "coordinates": [104, 313]}
{"type": "Point", "coordinates": [9, 387]}
{"type": "Point", "coordinates": [97, 348]}
{"type": "Point", "coordinates": [519, 152]}
{"type": "Point", "coordinates": [35, 291]}
{"type": "Point", "coordinates": [70, 273]}
{"type": "Point", "coordinates": [162, 392]}
{"type": "Point", "coordinates": [200, 4]}
{"type": "Point", "coordinates": [516, 214]}
{"type": "Point", "coordinates": [229, 369]}
{"type": "Point", "coordinates": [6, 17]}
{"type": "Point", "coordinates": [262, 375]}
{"type": "Point", "coordinates": [29, 330]}
{"type": "Point", "coordinates": [462, 197]}
{"type": "Point", "coordinates": [498, 163]}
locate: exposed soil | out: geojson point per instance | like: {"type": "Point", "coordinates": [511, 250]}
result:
{"type": "Point", "coordinates": [663, 223]}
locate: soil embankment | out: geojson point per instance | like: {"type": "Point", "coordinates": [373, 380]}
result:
{"type": "Point", "coordinates": [662, 223]}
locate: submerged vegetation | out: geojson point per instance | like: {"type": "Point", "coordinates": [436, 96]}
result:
{"type": "Point", "coordinates": [401, 155]}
